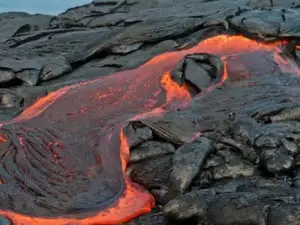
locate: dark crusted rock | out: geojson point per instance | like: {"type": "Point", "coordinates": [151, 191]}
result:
{"type": "Point", "coordinates": [267, 142]}
{"type": "Point", "coordinates": [245, 129]}
{"type": "Point", "coordinates": [152, 173]}
{"type": "Point", "coordinates": [105, 37]}
{"type": "Point", "coordinates": [160, 194]}
{"type": "Point", "coordinates": [30, 77]}
{"type": "Point", "coordinates": [196, 37]}
{"type": "Point", "coordinates": [283, 215]}
{"type": "Point", "coordinates": [198, 70]}
{"type": "Point", "coordinates": [287, 114]}
{"type": "Point", "coordinates": [136, 134]}
{"type": "Point", "coordinates": [236, 210]}
{"type": "Point", "coordinates": [187, 162]}
{"type": "Point", "coordinates": [213, 161]}
{"type": "Point", "coordinates": [32, 70]}
{"type": "Point", "coordinates": [125, 49]}
{"type": "Point", "coordinates": [10, 100]}
{"type": "Point", "coordinates": [296, 180]}
{"type": "Point", "coordinates": [280, 183]}
{"type": "Point", "coordinates": [290, 26]}
{"type": "Point", "coordinates": [13, 101]}
{"type": "Point", "coordinates": [16, 23]}
{"type": "Point", "coordinates": [55, 67]}
{"type": "Point", "coordinates": [247, 151]}
{"type": "Point", "coordinates": [148, 31]}
{"type": "Point", "coordinates": [254, 206]}
{"type": "Point", "coordinates": [254, 22]}
{"type": "Point", "coordinates": [276, 160]}
{"type": "Point", "coordinates": [192, 205]}
{"type": "Point", "coordinates": [18, 65]}
{"type": "Point", "coordinates": [150, 149]}
{"type": "Point", "coordinates": [288, 129]}
{"type": "Point", "coordinates": [232, 168]}
{"type": "Point", "coordinates": [113, 63]}
{"type": "Point", "coordinates": [6, 76]}
{"type": "Point", "coordinates": [203, 180]}
{"type": "Point", "coordinates": [290, 146]}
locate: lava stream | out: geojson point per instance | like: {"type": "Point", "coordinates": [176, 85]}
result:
{"type": "Point", "coordinates": [88, 148]}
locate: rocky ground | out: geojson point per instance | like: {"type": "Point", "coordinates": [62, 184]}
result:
{"type": "Point", "coordinates": [244, 168]}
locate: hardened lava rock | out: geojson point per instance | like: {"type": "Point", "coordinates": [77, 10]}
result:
{"type": "Point", "coordinates": [198, 70]}
{"type": "Point", "coordinates": [35, 170]}
{"type": "Point", "coordinates": [243, 169]}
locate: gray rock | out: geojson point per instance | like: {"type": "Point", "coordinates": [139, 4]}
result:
{"type": "Point", "coordinates": [261, 23]}
{"type": "Point", "coordinates": [232, 169]}
{"type": "Point", "coordinates": [190, 205]}
{"type": "Point", "coordinates": [290, 26]}
{"type": "Point", "coordinates": [54, 68]}
{"type": "Point", "coordinates": [290, 146]}
{"type": "Point", "coordinates": [150, 149]}
{"type": "Point", "coordinates": [136, 134]}
{"type": "Point", "coordinates": [276, 160]}
{"type": "Point", "coordinates": [245, 129]}
{"type": "Point", "coordinates": [6, 76]}
{"type": "Point", "coordinates": [267, 142]}
{"type": "Point", "coordinates": [198, 70]}
{"type": "Point", "coordinates": [13, 24]}
{"type": "Point", "coordinates": [152, 173]}
{"type": "Point", "coordinates": [213, 161]}
{"type": "Point", "coordinates": [29, 76]}
{"type": "Point", "coordinates": [125, 49]}
{"type": "Point", "coordinates": [187, 162]}
{"type": "Point", "coordinates": [283, 215]}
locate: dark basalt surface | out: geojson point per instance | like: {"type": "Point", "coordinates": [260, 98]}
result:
{"type": "Point", "coordinates": [243, 169]}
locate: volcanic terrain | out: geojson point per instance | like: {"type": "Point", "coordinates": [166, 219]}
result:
{"type": "Point", "coordinates": [151, 112]}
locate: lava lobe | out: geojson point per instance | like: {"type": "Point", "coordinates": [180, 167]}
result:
{"type": "Point", "coordinates": [63, 160]}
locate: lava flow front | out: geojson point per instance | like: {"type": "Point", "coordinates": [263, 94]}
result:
{"type": "Point", "coordinates": [63, 160]}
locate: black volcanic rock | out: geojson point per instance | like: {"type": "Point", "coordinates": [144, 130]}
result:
{"type": "Point", "coordinates": [198, 71]}
{"type": "Point", "coordinates": [150, 149]}
{"type": "Point", "coordinates": [13, 24]}
{"type": "Point", "coordinates": [188, 160]}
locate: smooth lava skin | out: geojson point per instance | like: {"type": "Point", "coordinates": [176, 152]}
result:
{"type": "Point", "coordinates": [63, 159]}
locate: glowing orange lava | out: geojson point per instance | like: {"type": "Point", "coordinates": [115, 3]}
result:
{"type": "Point", "coordinates": [175, 92]}
{"type": "Point", "coordinates": [136, 92]}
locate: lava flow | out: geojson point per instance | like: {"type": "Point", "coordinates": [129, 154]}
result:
{"type": "Point", "coordinates": [63, 160]}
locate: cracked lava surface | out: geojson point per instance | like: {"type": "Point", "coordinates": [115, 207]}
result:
{"type": "Point", "coordinates": [63, 160]}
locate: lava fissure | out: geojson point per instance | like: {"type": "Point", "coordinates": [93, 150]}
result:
{"type": "Point", "coordinates": [64, 159]}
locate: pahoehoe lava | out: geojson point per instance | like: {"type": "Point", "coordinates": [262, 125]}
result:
{"type": "Point", "coordinates": [63, 160]}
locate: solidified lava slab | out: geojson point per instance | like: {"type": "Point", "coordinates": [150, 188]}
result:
{"type": "Point", "coordinates": [64, 158]}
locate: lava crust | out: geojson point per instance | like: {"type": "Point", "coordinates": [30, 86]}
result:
{"type": "Point", "coordinates": [63, 160]}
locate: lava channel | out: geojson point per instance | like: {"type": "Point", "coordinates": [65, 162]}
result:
{"type": "Point", "coordinates": [63, 160]}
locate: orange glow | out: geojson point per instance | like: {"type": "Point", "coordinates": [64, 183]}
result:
{"type": "Point", "coordinates": [3, 138]}
{"type": "Point", "coordinates": [126, 208]}
{"type": "Point", "coordinates": [41, 105]}
{"type": "Point", "coordinates": [174, 91]}
{"type": "Point", "coordinates": [119, 98]}
{"type": "Point", "coordinates": [225, 74]}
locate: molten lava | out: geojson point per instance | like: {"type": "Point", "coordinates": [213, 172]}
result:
{"type": "Point", "coordinates": [63, 160]}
